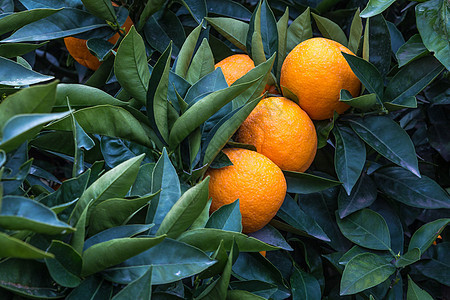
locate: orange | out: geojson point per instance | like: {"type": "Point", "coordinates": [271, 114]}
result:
{"type": "Point", "coordinates": [80, 52]}
{"type": "Point", "coordinates": [253, 179]}
{"type": "Point", "coordinates": [235, 66]}
{"type": "Point", "coordinates": [315, 71]}
{"type": "Point", "coordinates": [282, 131]}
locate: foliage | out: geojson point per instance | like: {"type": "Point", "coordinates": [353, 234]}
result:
{"type": "Point", "coordinates": [102, 173]}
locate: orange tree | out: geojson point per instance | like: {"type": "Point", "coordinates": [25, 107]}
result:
{"type": "Point", "coordinates": [106, 175]}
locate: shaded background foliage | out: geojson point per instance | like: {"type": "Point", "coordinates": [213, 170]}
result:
{"type": "Point", "coordinates": [83, 209]}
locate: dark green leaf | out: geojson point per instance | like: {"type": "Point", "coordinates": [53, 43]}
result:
{"type": "Point", "coordinates": [271, 236]}
{"type": "Point", "coordinates": [164, 178]}
{"type": "Point", "coordinates": [364, 271]}
{"type": "Point", "coordinates": [258, 287]}
{"type": "Point", "coordinates": [187, 50]}
{"type": "Point", "coordinates": [397, 39]}
{"type": "Point", "coordinates": [69, 21]}
{"type": "Point", "coordinates": [363, 195]}
{"type": "Point", "coordinates": [269, 32]}
{"type": "Point", "coordinates": [242, 295]}
{"type": "Point", "coordinates": [408, 258]}
{"type": "Point", "coordinates": [142, 185]}
{"type": "Point", "coordinates": [93, 287]}
{"type": "Point", "coordinates": [14, 74]}
{"type": "Point", "coordinates": [412, 79]}
{"type": "Point", "coordinates": [197, 8]}
{"type": "Point", "coordinates": [407, 188]}
{"type": "Point", "coordinates": [304, 183]}
{"type": "Point", "coordinates": [356, 31]}
{"type": "Point", "coordinates": [282, 28]}
{"type": "Point", "coordinates": [101, 8]}
{"type": "Point", "coordinates": [228, 8]}
{"type": "Point", "coordinates": [116, 151]}
{"type": "Point", "coordinates": [14, 21]}
{"type": "Point", "coordinates": [208, 239]}
{"type": "Point", "coordinates": [227, 217]}
{"type": "Point", "coordinates": [389, 139]}
{"type": "Point", "coordinates": [299, 30]}
{"type": "Point", "coordinates": [427, 234]}
{"type": "Point", "coordinates": [367, 229]}
{"type": "Point", "coordinates": [140, 288]}
{"type": "Point", "coordinates": [415, 292]}
{"type": "Point", "coordinates": [18, 49]}
{"type": "Point", "coordinates": [106, 254]}
{"type": "Point", "coordinates": [323, 129]}
{"type": "Point", "coordinates": [65, 268]}
{"type": "Point", "coordinates": [368, 74]}
{"type": "Point", "coordinates": [202, 63]}
{"type": "Point", "coordinates": [168, 265]}
{"type": "Point", "coordinates": [130, 66]}
{"type": "Point", "coordinates": [375, 7]}
{"type": "Point", "coordinates": [379, 44]}
{"type": "Point", "coordinates": [432, 23]}
{"type": "Point", "coordinates": [20, 213]}
{"type": "Point", "coordinates": [118, 232]}
{"type": "Point", "coordinates": [233, 30]}
{"type": "Point", "coordinates": [330, 30]}
{"type": "Point", "coordinates": [349, 157]}
{"type": "Point", "coordinates": [437, 267]}
{"type": "Point", "coordinates": [291, 213]}
{"type": "Point", "coordinates": [12, 247]}
{"type": "Point", "coordinates": [254, 43]}
{"type": "Point", "coordinates": [411, 50]}
{"type": "Point", "coordinates": [304, 286]}
{"type": "Point", "coordinates": [27, 278]}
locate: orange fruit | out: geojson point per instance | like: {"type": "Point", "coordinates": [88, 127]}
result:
{"type": "Point", "coordinates": [315, 71]}
{"type": "Point", "coordinates": [80, 52]}
{"type": "Point", "coordinates": [263, 253]}
{"type": "Point", "coordinates": [282, 131]}
{"type": "Point", "coordinates": [253, 179]}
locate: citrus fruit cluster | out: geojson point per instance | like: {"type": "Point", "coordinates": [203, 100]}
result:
{"type": "Point", "coordinates": [281, 131]}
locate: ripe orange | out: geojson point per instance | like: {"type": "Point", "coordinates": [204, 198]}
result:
{"type": "Point", "coordinates": [253, 179]}
{"type": "Point", "coordinates": [80, 52]}
{"type": "Point", "coordinates": [282, 131]}
{"type": "Point", "coordinates": [315, 71]}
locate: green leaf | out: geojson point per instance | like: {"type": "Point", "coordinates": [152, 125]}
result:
{"type": "Point", "coordinates": [202, 63]}
{"type": "Point", "coordinates": [257, 287]}
{"type": "Point", "coordinates": [323, 129]}
{"type": "Point", "coordinates": [411, 50]}
{"type": "Point", "coordinates": [304, 183]}
{"type": "Point", "coordinates": [65, 268]}
{"type": "Point", "coordinates": [208, 239]}
{"type": "Point", "coordinates": [387, 138]}
{"type": "Point", "coordinates": [364, 271]}
{"type": "Point", "coordinates": [116, 122]}
{"type": "Point", "coordinates": [415, 292]}
{"type": "Point", "coordinates": [69, 21]}
{"type": "Point", "coordinates": [255, 46]}
{"type": "Point", "coordinates": [242, 295]}
{"type": "Point", "coordinates": [349, 157]}
{"type": "Point", "coordinates": [412, 79]}
{"type": "Point", "coordinates": [330, 30]}
{"type": "Point", "coordinates": [363, 102]}
{"type": "Point", "coordinates": [270, 235]}
{"type": "Point", "coordinates": [14, 21]}
{"type": "Point", "coordinates": [12, 247]}
{"type": "Point", "coordinates": [79, 235]}
{"type": "Point", "coordinates": [156, 103]}
{"type": "Point", "coordinates": [197, 9]}
{"type": "Point", "coordinates": [300, 30]}
{"type": "Point", "coordinates": [269, 33]}
{"type": "Point", "coordinates": [291, 213]}
{"type": "Point", "coordinates": [203, 109]}
{"type": "Point", "coordinates": [404, 187]}
{"type": "Point", "coordinates": [101, 8]}
{"type": "Point", "coordinates": [436, 268]}
{"type": "Point", "coordinates": [304, 286]}
{"type": "Point", "coordinates": [14, 74]}
{"type": "Point", "coordinates": [167, 263]}
{"type": "Point", "coordinates": [27, 278]}
{"type": "Point", "coordinates": [124, 231]}
{"type": "Point", "coordinates": [233, 30]}
{"type": "Point", "coordinates": [427, 234]}
{"type": "Point", "coordinates": [93, 287]}
{"type": "Point", "coordinates": [130, 66]}
{"type": "Point", "coordinates": [140, 288]}
{"type": "Point", "coordinates": [114, 183]}
{"type": "Point", "coordinates": [367, 229]}
{"type": "Point", "coordinates": [115, 212]}
{"type": "Point", "coordinates": [375, 7]}
{"type": "Point", "coordinates": [432, 23]}
{"type": "Point", "coordinates": [228, 217]}
{"type": "Point", "coordinates": [20, 213]}
{"type": "Point", "coordinates": [164, 178]}
{"type": "Point", "coordinates": [185, 211]}
{"type": "Point", "coordinates": [35, 99]}
{"type": "Point", "coordinates": [363, 195]}
{"type": "Point", "coordinates": [18, 49]}
{"type": "Point", "coordinates": [221, 257]}
{"type": "Point", "coordinates": [408, 258]}
{"type": "Point", "coordinates": [186, 52]}
{"type": "Point", "coordinates": [81, 95]}
{"type": "Point", "coordinates": [356, 31]}
{"type": "Point", "coordinates": [224, 130]}
{"type": "Point", "coordinates": [380, 44]}
{"type": "Point", "coordinates": [282, 28]}
{"type": "Point", "coordinates": [367, 73]}
{"type": "Point", "coordinates": [103, 255]}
